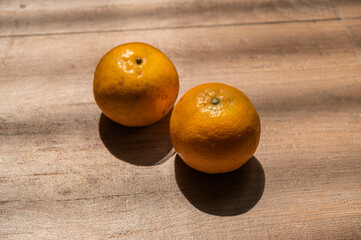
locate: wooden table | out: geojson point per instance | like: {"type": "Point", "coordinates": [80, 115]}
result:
{"type": "Point", "coordinates": [67, 172]}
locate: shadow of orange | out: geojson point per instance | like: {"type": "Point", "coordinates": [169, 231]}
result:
{"type": "Point", "coordinates": [144, 146]}
{"type": "Point", "coordinates": [227, 194]}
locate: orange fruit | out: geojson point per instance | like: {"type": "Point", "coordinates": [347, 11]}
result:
{"type": "Point", "coordinates": [215, 128]}
{"type": "Point", "coordinates": [135, 84]}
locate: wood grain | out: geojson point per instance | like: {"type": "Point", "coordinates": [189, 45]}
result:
{"type": "Point", "coordinates": [39, 17]}
{"type": "Point", "coordinates": [66, 171]}
{"type": "Point", "coordinates": [350, 8]}
{"type": "Point", "coordinates": [353, 27]}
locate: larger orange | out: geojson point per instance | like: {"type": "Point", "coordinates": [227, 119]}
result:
{"type": "Point", "coordinates": [135, 84]}
{"type": "Point", "coordinates": [215, 128]}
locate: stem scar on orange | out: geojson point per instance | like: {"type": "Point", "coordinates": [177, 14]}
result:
{"type": "Point", "coordinates": [135, 84]}
{"type": "Point", "coordinates": [215, 128]}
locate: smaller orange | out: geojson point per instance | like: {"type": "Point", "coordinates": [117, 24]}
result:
{"type": "Point", "coordinates": [135, 84]}
{"type": "Point", "coordinates": [215, 128]}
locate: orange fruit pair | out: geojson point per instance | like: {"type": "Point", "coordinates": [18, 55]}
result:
{"type": "Point", "coordinates": [214, 127]}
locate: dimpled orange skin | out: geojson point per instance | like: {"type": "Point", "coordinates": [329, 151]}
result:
{"type": "Point", "coordinates": [215, 136]}
{"type": "Point", "coordinates": [135, 92]}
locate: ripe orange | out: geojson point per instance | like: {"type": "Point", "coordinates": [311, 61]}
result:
{"type": "Point", "coordinates": [135, 84]}
{"type": "Point", "coordinates": [215, 128]}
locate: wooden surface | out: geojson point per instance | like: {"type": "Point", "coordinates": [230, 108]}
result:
{"type": "Point", "coordinates": [67, 172]}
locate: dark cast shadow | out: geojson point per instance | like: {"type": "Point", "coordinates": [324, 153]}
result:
{"type": "Point", "coordinates": [143, 146]}
{"type": "Point", "coordinates": [226, 194]}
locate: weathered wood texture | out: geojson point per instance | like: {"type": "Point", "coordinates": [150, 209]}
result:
{"type": "Point", "coordinates": [350, 8]}
{"type": "Point", "coordinates": [353, 27]}
{"type": "Point", "coordinates": [68, 172]}
{"type": "Point", "coordinates": [40, 17]}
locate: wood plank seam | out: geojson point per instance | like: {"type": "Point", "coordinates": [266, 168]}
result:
{"type": "Point", "coordinates": [352, 18]}
{"type": "Point", "coordinates": [167, 28]}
